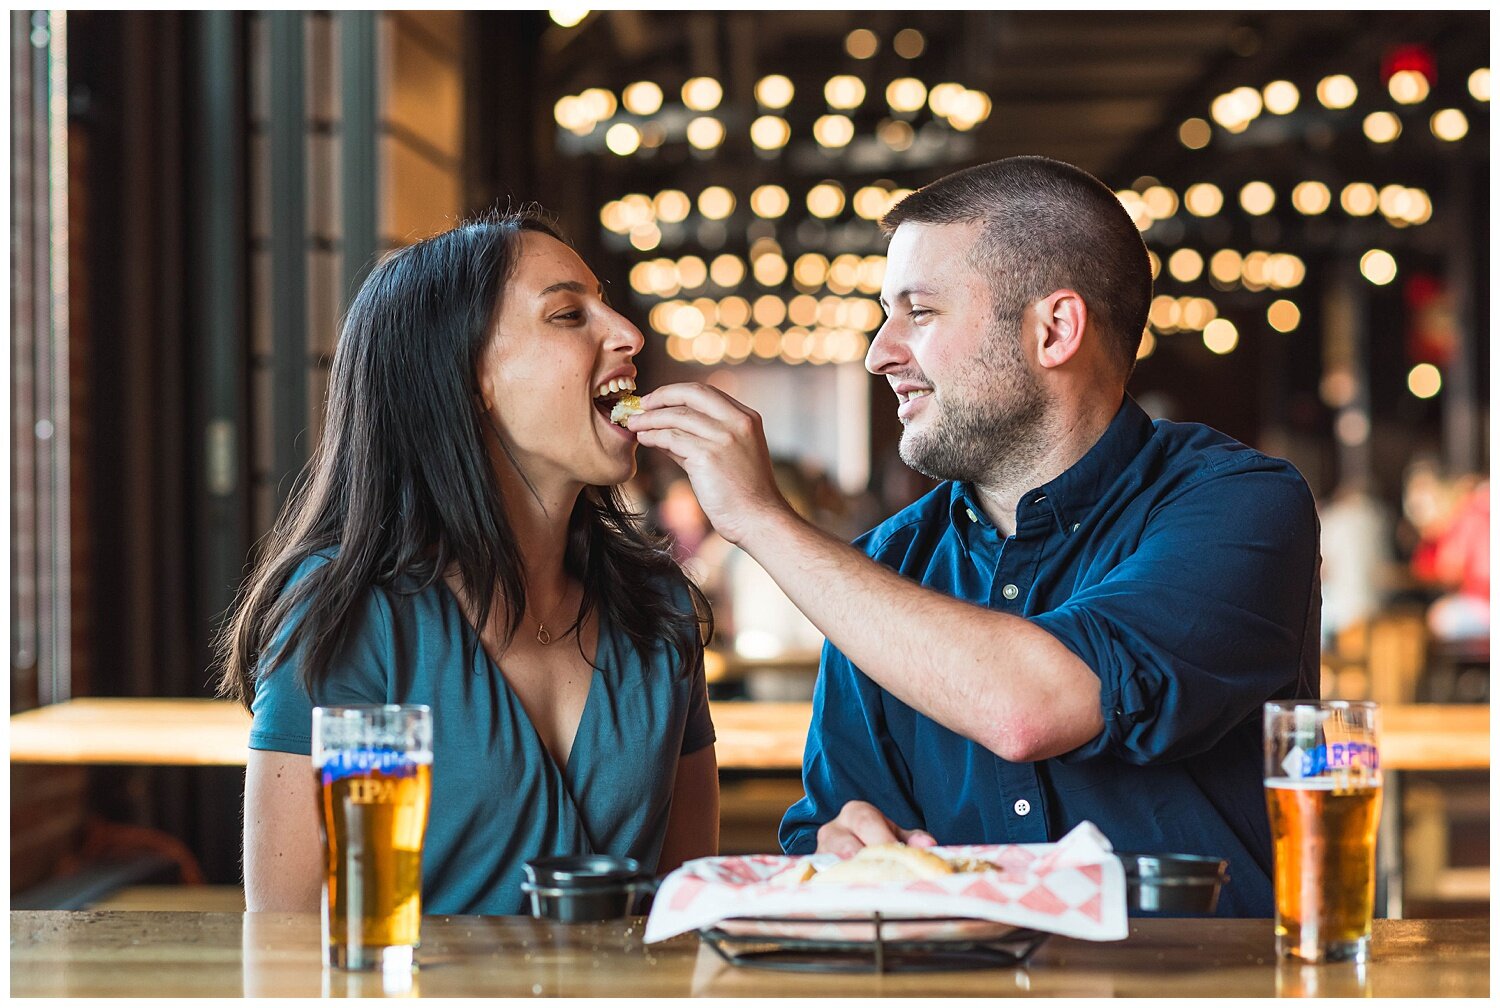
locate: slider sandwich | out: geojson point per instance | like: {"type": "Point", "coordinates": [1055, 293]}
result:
{"type": "Point", "coordinates": [891, 862]}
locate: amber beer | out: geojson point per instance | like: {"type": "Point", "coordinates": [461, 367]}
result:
{"type": "Point", "coordinates": [374, 770]}
{"type": "Point", "coordinates": [1324, 843]}
{"type": "Point", "coordinates": [1323, 799]}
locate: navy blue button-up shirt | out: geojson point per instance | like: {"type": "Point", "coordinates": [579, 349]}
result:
{"type": "Point", "coordinates": [1178, 564]}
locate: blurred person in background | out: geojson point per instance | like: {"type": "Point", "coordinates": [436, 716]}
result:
{"type": "Point", "coordinates": [1359, 562]}
{"type": "Point", "coordinates": [457, 540]}
{"type": "Point", "coordinates": [1452, 557]}
{"type": "Point", "coordinates": [1083, 620]}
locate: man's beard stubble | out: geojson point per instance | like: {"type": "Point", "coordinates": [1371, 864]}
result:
{"type": "Point", "coordinates": [990, 426]}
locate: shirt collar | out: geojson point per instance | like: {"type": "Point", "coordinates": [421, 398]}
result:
{"type": "Point", "coordinates": [1079, 488]}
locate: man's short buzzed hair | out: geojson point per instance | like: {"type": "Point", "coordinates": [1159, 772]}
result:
{"type": "Point", "coordinates": [1046, 225]}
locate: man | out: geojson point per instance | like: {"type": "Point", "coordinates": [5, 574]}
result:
{"type": "Point", "coordinates": [1083, 621]}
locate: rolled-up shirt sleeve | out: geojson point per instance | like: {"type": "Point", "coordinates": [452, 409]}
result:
{"type": "Point", "coordinates": [850, 756]}
{"type": "Point", "coordinates": [1205, 619]}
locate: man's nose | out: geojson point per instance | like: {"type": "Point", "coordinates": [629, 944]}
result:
{"type": "Point", "coordinates": [887, 349]}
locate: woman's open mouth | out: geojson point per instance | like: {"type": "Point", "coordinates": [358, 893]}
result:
{"type": "Point", "coordinates": [616, 400]}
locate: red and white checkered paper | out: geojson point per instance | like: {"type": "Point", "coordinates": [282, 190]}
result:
{"type": "Point", "coordinates": [1075, 887]}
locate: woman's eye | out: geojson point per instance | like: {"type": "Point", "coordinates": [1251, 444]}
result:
{"type": "Point", "coordinates": [568, 316]}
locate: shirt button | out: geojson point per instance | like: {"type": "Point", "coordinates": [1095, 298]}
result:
{"type": "Point", "coordinates": [972, 516]}
{"type": "Point", "coordinates": [1075, 527]}
{"type": "Point", "coordinates": [1022, 806]}
{"type": "Point", "coordinates": [1010, 591]}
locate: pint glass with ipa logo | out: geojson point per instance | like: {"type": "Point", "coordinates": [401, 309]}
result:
{"type": "Point", "coordinates": [374, 771]}
{"type": "Point", "coordinates": [1323, 795]}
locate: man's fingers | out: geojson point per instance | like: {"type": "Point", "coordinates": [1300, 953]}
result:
{"type": "Point", "coordinates": [703, 398]}
{"type": "Point", "coordinates": [834, 839]}
{"type": "Point", "coordinates": [918, 838]}
{"type": "Point", "coordinates": [676, 442]}
{"type": "Point", "coordinates": [682, 418]}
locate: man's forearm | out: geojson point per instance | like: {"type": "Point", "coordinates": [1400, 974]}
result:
{"type": "Point", "coordinates": [989, 676]}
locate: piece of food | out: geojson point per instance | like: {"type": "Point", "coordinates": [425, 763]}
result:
{"type": "Point", "coordinates": [616, 399]}
{"type": "Point", "coordinates": [794, 876]}
{"type": "Point", "coordinates": [968, 865]}
{"type": "Point", "coordinates": [885, 863]}
{"type": "Point", "coordinates": [624, 408]}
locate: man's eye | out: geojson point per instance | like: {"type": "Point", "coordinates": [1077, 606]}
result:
{"type": "Point", "coordinates": [919, 313]}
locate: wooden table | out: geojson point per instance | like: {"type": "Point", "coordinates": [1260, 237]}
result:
{"type": "Point", "coordinates": [752, 736]}
{"type": "Point", "coordinates": [163, 954]}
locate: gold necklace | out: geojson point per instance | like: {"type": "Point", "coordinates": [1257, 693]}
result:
{"type": "Point", "coordinates": [542, 636]}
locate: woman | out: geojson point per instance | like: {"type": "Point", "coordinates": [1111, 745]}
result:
{"type": "Point", "coordinates": [458, 541]}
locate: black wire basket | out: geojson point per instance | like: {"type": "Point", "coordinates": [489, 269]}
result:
{"type": "Point", "coordinates": [877, 955]}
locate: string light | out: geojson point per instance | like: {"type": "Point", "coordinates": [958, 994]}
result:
{"type": "Point", "coordinates": [702, 94]}
{"type": "Point", "coordinates": [769, 201]}
{"type": "Point", "coordinates": [861, 43]}
{"type": "Point", "coordinates": [1225, 266]}
{"type": "Point", "coordinates": [623, 139]}
{"type": "Point", "coordinates": [1281, 97]}
{"type": "Point", "coordinates": [1449, 124]}
{"type": "Point", "coordinates": [909, 43]}
{"type": "Point", "coordinates": [1408, 86]}
{"type": "Point", "coordinates": [906, 94]}
{"type": "Point", "coordinates": [1160, 201]}
{"type": "Point", "coordinates": [1283, 316]}
{"type": "Point", "coordinates": [1221, 336]}
{"type": "Point", "coordinates": [844, 91]}
{"type": "Point", "coordinates": [833, 130]}
{"type": "Point", "coordinates": [642, 98]}
{"type": "Point", "coordinates": [672, 206]}
{"type": "Point", "coordinates": [896, 134]}
{"type": "Point", "coordinates": [1382, 127]}
{"type": "Point", "coordinates": [716, 202]}
{"type": "Point", "coordinates": [692, 271]}
{"type": "Point", "coordinates": [567, 17]}
{"type": "Point", "coordinates": [705, 132]}
{"type": "Point", "coordinates": [825, 200]}
{"type": "Point", "coordinates": [1424, 381]}
{"type": "Point", "coordinates": [1378, 267]}
{"type": "Point", "coordinates": [1257, 198]}
{"type": "Point", "coordinates": [1185, 265]}
{"type": "Point", "coordinates": [1359, 199]}
{"type": "Point", "coordinates": [1479, 84]}
{"type": "Point", "coordinates": [774, 91]}
{"type": "Point", "coordinates": [1311, 197]}
{"type": "Point", "coordinates": [769, 310]}
{"type": "Point", "coordinates": [942, 97]}
{"type": "Point", "coordinates": [770, 132]}
{"type": "Point", "coordinates": [1195, 133]}
{"type": "Point", "coordinates": [1203, 199]}
{"type": "Point", "coordinates": [1337, 91]}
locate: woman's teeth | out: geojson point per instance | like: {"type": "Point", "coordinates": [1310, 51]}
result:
{"type": "Point", "coordinates": [615, 385]}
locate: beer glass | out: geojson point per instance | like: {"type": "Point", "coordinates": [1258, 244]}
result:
{"type": "Point", "coordinates": [374, 771]}
{"type": "Point", "coordinates": [1323, 795]}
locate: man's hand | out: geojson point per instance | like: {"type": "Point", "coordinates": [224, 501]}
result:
{"type": "Point", "coordinates": [860, 824]}
{"type": "Point", "coordinates": [719, 443]}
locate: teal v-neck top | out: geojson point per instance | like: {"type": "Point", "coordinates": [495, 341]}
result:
{"type": "Point", "coordinates": [498, 797]}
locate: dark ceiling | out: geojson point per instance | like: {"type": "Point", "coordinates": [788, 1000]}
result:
{"type": "Point", "coordinates": [1104, 90]}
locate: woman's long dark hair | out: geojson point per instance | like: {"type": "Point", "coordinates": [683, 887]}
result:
{"type": "Point", "coordinates": [400, 490]}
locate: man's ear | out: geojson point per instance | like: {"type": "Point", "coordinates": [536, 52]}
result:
{"type": "Point", "coordinates": [1062, 318]}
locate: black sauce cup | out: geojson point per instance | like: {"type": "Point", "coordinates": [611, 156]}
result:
{"type": "Point", "coordinates": [586, 887]}
{"type": "Point", "coordinates": [1174, 883]}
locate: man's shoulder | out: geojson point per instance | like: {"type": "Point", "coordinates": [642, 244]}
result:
{"type": "Point", "coordinates": [1194, 452]}
{"type": "Point", "coordinates": [926, 517]}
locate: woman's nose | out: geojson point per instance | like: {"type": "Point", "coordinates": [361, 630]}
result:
{"type": "Point", "coordinates": [624, 336]}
